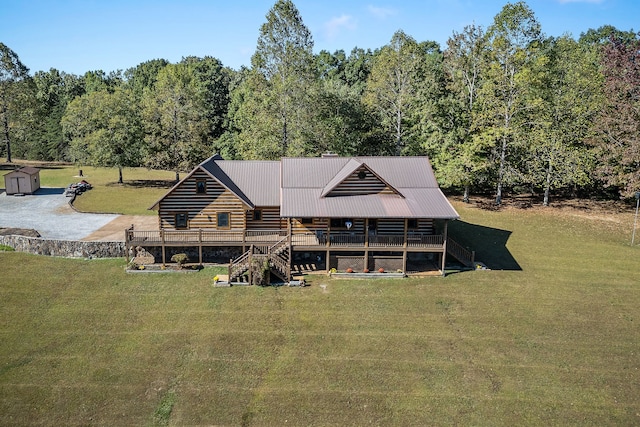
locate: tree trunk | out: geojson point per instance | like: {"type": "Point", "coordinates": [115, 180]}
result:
{"type": "Point", "coordinates": [6, 131]}
{"type": "Point", "coordinates": [177, 176]}
{"type": "Point", "coordinates": [547, 185]}
{"type": "Point", "coordinates": [120, 175]}
{"type": "Point", "coordinates": [465, 197]}
{"type": "Point", "coordinates": [503, 157]}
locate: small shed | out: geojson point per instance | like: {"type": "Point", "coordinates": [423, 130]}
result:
{"type": "Point", "coordinates": [25, 180]}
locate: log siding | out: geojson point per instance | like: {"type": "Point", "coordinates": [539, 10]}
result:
{"type": "Point", "coordinates": [201, 208]}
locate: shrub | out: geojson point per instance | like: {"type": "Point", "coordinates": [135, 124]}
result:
{"type": "Point", "coordinates": [381, 270]}
{"type": "Point", "coordinates": [366, 270]}
{"type": "Point", "coordinates": [6, 248]}
{"type": "Point", "coordinates": [180, 259]}
{"type": "Point", "coordinates": [349, 270]}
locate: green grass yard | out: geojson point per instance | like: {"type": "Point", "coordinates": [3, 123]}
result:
{"type": "Point", "coordinates": [140, 189]}
{"type": "Point", "coordinates": [550, 336]}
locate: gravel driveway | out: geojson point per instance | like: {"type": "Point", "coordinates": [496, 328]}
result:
{"type": "Point", "coordinates": [49, 213]}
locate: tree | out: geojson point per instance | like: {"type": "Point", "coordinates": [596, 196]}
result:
{"type": "Point", "coordinates": [12, 72]}
{"type": "Point", "coordinates": [513, 46]}
{"type": "Point", "coordinates": [460, 158]}
{"type": "Point", "coordinates": [54, 91]}
{"type": "Point", "coordinates": [276, 108]}
{"type": "Point", "coordinates": [104, 129]}
{"type": "Point", "coordinates": [174, 119]}
{"type": "Point", "coordinates": [392, 87]}
{"type": "Point", "coordinates": [618, 125]}
{"type": "Point", "coordinates": [558, 155]}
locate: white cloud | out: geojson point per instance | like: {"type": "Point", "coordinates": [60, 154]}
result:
{"type": "Point", "coordinates": [381, 12]}
{"type": "Point", "coordinates": [334, 26]}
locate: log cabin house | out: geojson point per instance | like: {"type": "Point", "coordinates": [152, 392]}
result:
{"type": "Point", "coordinates": [362, 213]}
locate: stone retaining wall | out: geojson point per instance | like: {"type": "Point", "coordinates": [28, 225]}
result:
{"type": "Point", "coordinates": [64, 248]}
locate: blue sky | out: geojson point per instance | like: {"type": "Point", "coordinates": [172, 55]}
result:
{"type": "Point", "coordinates": [77, 36]}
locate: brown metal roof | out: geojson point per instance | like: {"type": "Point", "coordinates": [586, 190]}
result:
{"type": "Point", "coordinates": [258, 180]}
{"type": "Point", "coordinates": [297, 186]}
{"type": "Point", "coordinates": [305, 180]}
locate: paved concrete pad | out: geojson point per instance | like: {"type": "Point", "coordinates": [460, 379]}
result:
{"type": "Point", "coordinates": [49, 213]}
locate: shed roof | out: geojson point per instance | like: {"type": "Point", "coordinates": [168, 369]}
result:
{"type": "Point", "coordinates": [27, 170]}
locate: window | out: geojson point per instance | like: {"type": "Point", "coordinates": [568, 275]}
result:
{"type": "Point", "coordinates": [181, 220]}
{"type": "Point", "coordinates": [306, 221]}
{"type": "Point", "coordinates": [201, 186]}
{"type": "Point", "coordinates": [257, 215]}
{"type": "Point", "coordinates": [362, 174]}
{"type": "Point", "coordinates": [412, 223]}
{"type": "Point", "coordinates": [337, 223]}
{"type": "Point", "coordinates": [223, 220]}
{"type": "Point", "coordinates": [341, 223]}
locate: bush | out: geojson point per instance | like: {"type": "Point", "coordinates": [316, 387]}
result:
{"type": "Point", "coordinates": [180, 259]}
{"type": "Point", "coordinates": [6, 248]}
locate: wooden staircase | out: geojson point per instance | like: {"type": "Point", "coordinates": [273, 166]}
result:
{"type": "Point", "coordinates": [277, 255]}
{"type": "Point", "coordinates": [462, 254]}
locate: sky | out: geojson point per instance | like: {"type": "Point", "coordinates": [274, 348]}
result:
{"type": "Point", "coordinates": [77, 36]}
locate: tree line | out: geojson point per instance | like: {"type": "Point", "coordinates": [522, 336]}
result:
{"type": "Point", "coordinates": [497, 108]}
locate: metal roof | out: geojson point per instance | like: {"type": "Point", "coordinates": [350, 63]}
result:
{"type": "Point", "coordinates": [297, 185]}
{"type": "Point", "coordinates": [304, 181]}
{"type": "Point", "coordinates": [258, 180]}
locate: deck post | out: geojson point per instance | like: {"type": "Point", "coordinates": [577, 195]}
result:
{"type": "Point", "coordinates": [200, 244]}
{"type": "Point", "coordinates": [250, 266]}
{"type": "Point", "coordinates": [366, 243]}
{"type": "Point", "coordinates": [444, 246]}
{"type": "Point", "coordinates": [404, 246]}
{"type": "Point", "coordinates": [289, 238]}
{"type": "Point", "coordinates": [229, 270]}
{"type": "Point", "coordinates": [164, 256]}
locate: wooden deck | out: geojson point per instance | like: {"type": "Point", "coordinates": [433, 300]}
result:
{"type": "Point", "coordinates": [299, 241]}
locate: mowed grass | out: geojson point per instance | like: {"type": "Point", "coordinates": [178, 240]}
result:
{"type": "Point", "coordinates": [140, 188]}
{"type": "Point", "coordinates": [552, 339]}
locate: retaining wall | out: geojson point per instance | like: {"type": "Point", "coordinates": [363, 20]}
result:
{"type": "Point", "coordinates": [64, 248]}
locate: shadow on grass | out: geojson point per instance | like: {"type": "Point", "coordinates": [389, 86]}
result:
{"type": "Point", "coordinates": [489, 243]}
{"type": "Point", "coordinates": [145, 183]}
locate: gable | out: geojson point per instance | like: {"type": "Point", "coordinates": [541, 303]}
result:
{"type": "Point", "coordinates": [357, 179]}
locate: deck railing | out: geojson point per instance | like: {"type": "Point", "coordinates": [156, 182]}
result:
{"type": "Point", "coordinates": [268, 237]}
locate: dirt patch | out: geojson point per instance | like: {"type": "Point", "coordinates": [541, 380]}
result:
{"type": "Point", "coordinates": [114, 230]}
{"type": "Point", "coordinates": [588, 207]}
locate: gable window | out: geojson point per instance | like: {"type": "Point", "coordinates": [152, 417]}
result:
{"type": "Point", "coordinates": [181, 220]}
{"type": "Point", "coordinates": [223, 220]}
{"type": "Point", "coordinates": [257, 215]}
{"type": "Point", "coordinates": [201, 186]}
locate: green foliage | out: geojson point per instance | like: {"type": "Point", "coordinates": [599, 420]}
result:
{"type": "Point", "coordinates": [6, 248]}
{"type": "Point", "coordinates": [162, 413]}
{"type": "Point", "coordinates": [180, 259]}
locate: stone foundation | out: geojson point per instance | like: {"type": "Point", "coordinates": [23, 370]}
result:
{"type": "Point", "coordinates": [64, 248]}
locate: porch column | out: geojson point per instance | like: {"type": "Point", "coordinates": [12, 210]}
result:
{"type": "Point", "coordinates": [444, 245]}
{"type": "Point", "coordinates": [164, 258]}
{"type": "Point", "coordinates": [289, 238]}
{"type": "Point", "coordinates": [366, 243]}
{"type": "Point", "coordinates": [327, 244]}
{"type": "Point", "coordinates": [200, 245]}
{"type": "Point", "coordinates": [404, 246]}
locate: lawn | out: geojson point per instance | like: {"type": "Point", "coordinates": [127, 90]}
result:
{"type": "Point", "coordinates": [141, 187]}
{"type": "Point", "coordinates": [549, 336]}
